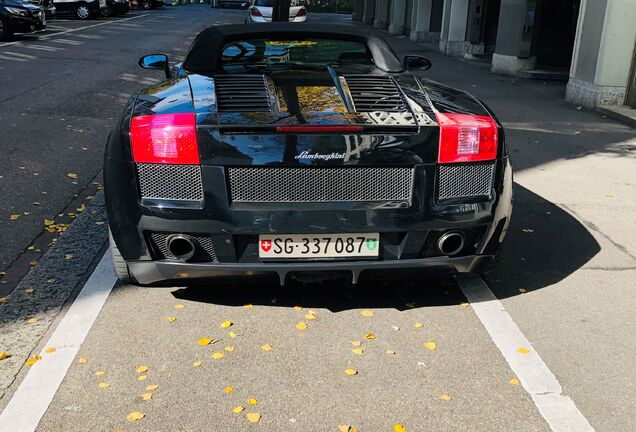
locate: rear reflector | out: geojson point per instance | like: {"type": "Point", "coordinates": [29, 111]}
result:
{"type": "Point", "coordinates": [165, 139]}
{"type": "Point", "coordinates": [318, 129]}
{"type": "Point", "coordinates": [255, 12]}
{"type": "Point", "coordinates": [466, 138]}
{"type": "Point", "coordinates": [301, 13]}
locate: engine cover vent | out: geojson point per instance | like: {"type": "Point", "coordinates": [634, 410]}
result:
{"type": "Point", "coordinates": [374, 93]}
{"type": "Point", "coordinates": [242, 93]}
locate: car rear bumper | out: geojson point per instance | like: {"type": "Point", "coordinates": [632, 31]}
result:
{"type": "Point", "coordinates": [152, 272]}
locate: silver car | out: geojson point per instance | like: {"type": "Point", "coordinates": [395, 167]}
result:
{"type": "Point", "coordinates": [260, 11]}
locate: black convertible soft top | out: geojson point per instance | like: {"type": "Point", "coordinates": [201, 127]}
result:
{"type": "Point", "coordinates": [205, 51]}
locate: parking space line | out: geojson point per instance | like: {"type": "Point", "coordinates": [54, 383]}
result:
{"type": "Point", "coordinates": [77, 29]}
{"type": "Point", "coordinates": [35, 393]}
{"type": "Point", "coordinates": [558, 410]}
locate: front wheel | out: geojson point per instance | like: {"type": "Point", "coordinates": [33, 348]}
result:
{"type": "Point", "coordinates": [83, 12]}
{"type": "Point", "coordinates": [5, 30]}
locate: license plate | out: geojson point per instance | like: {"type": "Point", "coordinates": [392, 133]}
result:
{"type": "Point", "coordinates": [312, 246]}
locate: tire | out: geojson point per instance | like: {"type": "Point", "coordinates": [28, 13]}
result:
{"type": "Point", "coordinates": [119, 264]}
{"type": "Point", "coordinates": [83, 12]}
{"type": "Point", "coordinates": [106, 12]}
{"type": "Point", "coordinates": [5, 30]}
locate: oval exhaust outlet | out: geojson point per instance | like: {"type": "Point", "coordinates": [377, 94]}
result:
{"type": "Point", "coordinates": [181, 246]}
{"type": "Point", "coordinates": [451, 243]}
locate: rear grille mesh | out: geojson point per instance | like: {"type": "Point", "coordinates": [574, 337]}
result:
{"type": "Point", "coordinates": [170, 182]}
{"type": "Point", "coordinates": [320, 184]}
{"type": "Point", "coordinates": [204, 247]}
{"type": "Point", "coordinates": [242, 93]}
{"type": "Point", "coordinates": [374, 93]}
{"type": "Point", "coordinates": [465, 180]}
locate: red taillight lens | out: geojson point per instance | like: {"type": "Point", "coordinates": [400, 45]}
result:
{"type": "Point", "coordinates": [301, 13]}
{"type": "Point", "coordinates": [165, 139]}
{"type": "Point", "coordinates": [466, 138]}
{"type": "Point", "coordinates": [256, 13]}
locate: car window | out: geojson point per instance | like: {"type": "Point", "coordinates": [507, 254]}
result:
{"type": "Point", "coordinates": [300, 51]}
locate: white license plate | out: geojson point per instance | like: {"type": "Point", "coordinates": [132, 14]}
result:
{"type": "Point", "coordinates": [312, 246]}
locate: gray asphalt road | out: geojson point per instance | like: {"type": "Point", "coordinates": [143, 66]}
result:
{"type": "Point", "coordinates": [566, 277]}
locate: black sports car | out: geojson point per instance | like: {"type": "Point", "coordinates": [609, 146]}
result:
{"type": "Point", "coordinates": [275, 150]}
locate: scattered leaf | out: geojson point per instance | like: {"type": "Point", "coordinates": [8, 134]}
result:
{"type": "Point", "coordinates": [351, 372]}
{"type": "Point", "coordinates": [14, 217]}
{"type": "Point", "coordinates": [103, 384]}
{"type": "Point", "coordinates": [369, 336]}
{"type": "Point", "coordinates": [28, 290]}
{"type": "Point", "coordinates": [179, 306]}
{"type": "Point", "coordinates": [527, 230]}
{"type": "Point", "coordinates": [99, 373]}
{"type": "Point", "coordinates": [48, 222]}
{"type": "Point", "coordinates": [238, 409]}
{"type": "Point", "coordinates": [152, 387]}
{"type": "Point", "coordinates": [356, 343]}
{"type": "Point", "coordinates": [522, 290]}
{"type": "Point", "coordinates": [31, 362]}
{"type": "Point", "coordinates": [430, 346]}
{"type": "Point", "coordinates": [142, 369]}
{"type": "Point", "coordinates": [68, 256]}
{"type": "Point", "coordinates": [522, 350]}
{"type": "Point", "coordinates": [418, 325]}
{"type": "Point", "coordinates": [358, 351]}
{"type": "Point", "coordinates": [142, 377]}
{"type": "Point", "coordinates": [146, 396]}
{"type": "Point", "coordinates": [301, 325]}
{"type": "Point", "coordinates": [367, 313]}
{"type": "Point", "coordinates": [226, 324]}
{"type": "Point", "coordinates": [445, 397]}
{"type": "Point", "coordinates": [229, 348]}
{"type": "Point", "coordinates": [389, 352]}
{"type": "Point", "coordinates": [32, 320]}
{"type": "Point", "coordinates": [204, 341]}
{"type": "Point", "coordinates": [253, 417]}
{"type": "Point", "coordinates": [514, 381]}
{"type": "Point", "coordinates": [82, 360]}
{"type": "Point", "coordinates": [33, 263]}
{"type": "Point", "coordinates": [228, 390]}
{"type": "Point", "coordinates": [310, 316]}
{"type": "Point", "coordinates": [248, 306]}
{"type": "Point", "coordinates": [134, 416]}
{"type": "Point", "coordinates": [252, 401]}
{"type": "Point", "coordinates": [4, 355]}
{"type": "Point", "coordinates": [3, 299]}
{"type": "Point", "coordinates": [298, 308]}
{"type": "Point", "coordinates": [266, 347]}
{"type": "Point", "coordinates": [464, 304]}
{"type": "Point", "coordinates": [50, 350]}
{"type": "Point", "coordinates": [72, 175]}
{"type": "Point", "coordinates": [232, 334]}
{"type": "Point", "coordinates": [37, 357]}
{"type": "Point", "coordinates": [218, 355]}
{"type": "Point", "coordinates": [171, 318]}
{"type": "Point", "coordinates": [197, 363]}
{"type": "Point", "coordinates": [399, 428]}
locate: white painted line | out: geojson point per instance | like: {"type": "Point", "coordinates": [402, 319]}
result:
{"type": "Point", "coordinates": [77, 29]}
{"type": "Point", "coordinates": [558, 410]}
{"type": "Point", "coordinates": [35, 393]}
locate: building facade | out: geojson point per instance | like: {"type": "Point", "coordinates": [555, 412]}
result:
{"type": "Point", "coordinates": [589, 43]}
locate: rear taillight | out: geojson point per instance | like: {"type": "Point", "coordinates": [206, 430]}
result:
{"type": "Point", "coordinates": [301, 13]}
{"type": "Point", "coordinates": [466, 138]}
{"type": "Point", "coordinates": [256, 13]}
{"type": "Point", "coordinates": [165, 139]}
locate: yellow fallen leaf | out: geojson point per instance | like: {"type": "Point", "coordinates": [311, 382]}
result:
{"type": "Point", "coordinates": [369, 336]}
{"type": "Point", "coordinates": [301, 325]}
{"type": "Point", "coordinates": [152, 387]}
{"type": "Point", "coordinates": [252, 401]}
{"type": "Point", "coordinates": [50, 350]}
{"type": "Point", "coordinates": [103, 384]}
{"type": "Point", "coordinates": [298, 308]}
{"type": "Point", "coordinates": [358, 351]}
{"type": "Point", "coordinates": [253, 417]}
{"type": "Point", "coordinates": [32, 320]}
{"type": "Point", "coordinates": [266, 347]}
{"type": "Point", "coordinates": [82, 360]}
{"type": "Point", "coordinates": [310, 316]}
{"type": "Point", "coordinates": [171, 318]}
{"type": "Point", "coordinates": [68, 256]}
{"type": "Point", "coordinates": [522, 290]}
{"type": "Point", "coordinates": [99, 373]}
{"type": "Point", "coordinates": [228, 390]}
{"type": "Point", "coordinates": [3, 299]}
{"type": "Point", "coordinates": [31, 362]}
{"type": "Point", "coordinates": [48, 222]}
{"type": "Point", "coordinates": [71, 175]}
{"type": "Point", "coordinates": [446, 397]}
{"type": "Point", "coordinates": [351, 372]}
{"type": "Point", "coordinates": [430, 346]}
{"type": "Point", "coordinates": [238, 409]}
{"type": "Point", "coordinates": [28, 290]}
{"type": "Point", "coordinates": [419, 325]}
{"type": "Point", "coordinates": [229, 348]}
{"type": "Point", "coordinates": [33, 263]}
{"type": "Point", "coordinates": [146, 396]}
{"type": "Point", "coordinates": [248, 306]}
{"type": "Point", "coordinates": [37, 357]}
{"type": "Point", "coordinates": [197, 363]}
{"type": "Point", "coordinates": [226, 324]}
{"type": "Point", "coordinates": [464, 304]}
{"type": "Point", "coordinates": [356, 343]}
{"type": "Point", "coordinates": [514, 381]}
{"type": "Point", "coordinates": [142, 377]}
{"type": "Point", "coordinates": [232, 334]}
{"type": "Point", "coordinates": [367, 313]}
{"type": "Point", "coordinates": [179, 306]}
{"type": "Point", "coordinates": [389, 352]}
{"type": "Point", "coordinates": [522, 350]}
{"type": "Point", "coordinates": [4, 355]}
{"type": "Point", "coordinates": [399, 428]}
{"type": "Point", "coordinates": [218, 355]}
{"type": "Point", "coordinates": [134, 416]}
{"type": "Point", "coordinates": [142, 369]}
{"type": "Point", "coordinates": [204, 341]}
{"type": "Point", "coordinates": [14, 217]}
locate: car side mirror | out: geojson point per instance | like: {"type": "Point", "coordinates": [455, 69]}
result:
{"type": "Point", "coordinates": [157, 62]}
{"type": "Point", "coordinates": [417, 62]}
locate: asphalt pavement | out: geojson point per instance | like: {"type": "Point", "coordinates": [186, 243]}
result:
{"type": "Point", "coordinates": [415, 353]}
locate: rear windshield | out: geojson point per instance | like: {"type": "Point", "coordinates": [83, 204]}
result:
{"type": "Point", "coordinates": [301, 51]}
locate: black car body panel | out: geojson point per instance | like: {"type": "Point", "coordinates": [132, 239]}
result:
{"type": "Point", "coordinates": [228, 215]}
{"type": "Point", "coordinates": [21, 17]}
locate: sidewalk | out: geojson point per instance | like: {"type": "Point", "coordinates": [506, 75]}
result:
{"type": "Point", "coordinates": [569, 264]}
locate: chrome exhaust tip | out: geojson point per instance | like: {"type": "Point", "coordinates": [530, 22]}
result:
{"type": "Point", "coordinates": [451, 243]}
{"type": "Point", "coordinates": [181, 246]}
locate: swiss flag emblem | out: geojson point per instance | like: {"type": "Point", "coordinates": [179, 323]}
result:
{"type": "Point", "coordinates": [266, 245]}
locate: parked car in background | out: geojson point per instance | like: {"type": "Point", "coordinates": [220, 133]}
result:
{"type": "Point", "coordinates": [20, 16]}
{"type": "Point", "coordinates": [47, 5]}
{"type": "Point", "coordinates": [242, 4]}
{"type": "Point", "coordinates": [260, 11]}
{"type": "Point", "coordinates": [113, 7]}
{"type": "Point", "coordinates": [150, 4]}
{"type": "Point", "coordinates": [81, 9]}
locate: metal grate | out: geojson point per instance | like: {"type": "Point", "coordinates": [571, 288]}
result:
{"type": "Point", "coordinates": [204, 247]}
{"type": "Point", "coordinates": [374, 93]}
{"type": "Point", "coordinates": [320, 184]}
{"type": "Point", "coordinates": [465, 180]}
{"type": "Point", "coordinates": [242, 93]}
{"type": "Point", "coordinates": [170, 182]}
